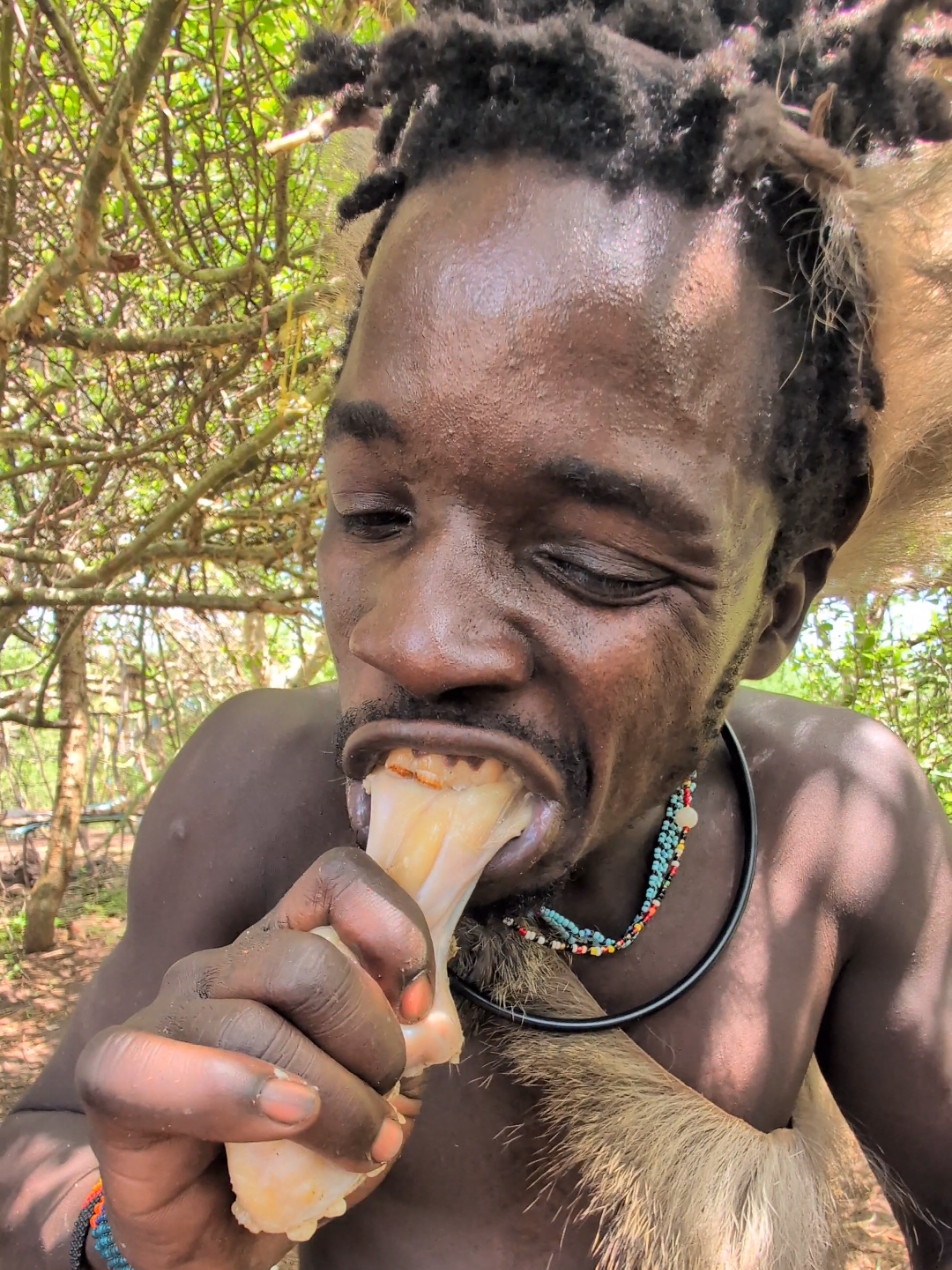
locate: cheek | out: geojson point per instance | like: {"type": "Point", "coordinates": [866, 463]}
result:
{"type": "Point", "coordinates": [643, 679]}
{"type": "Point", "coordinates": [340, 592]}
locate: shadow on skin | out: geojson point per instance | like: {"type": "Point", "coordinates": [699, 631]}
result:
{"type": "Point", "coordinates": [63, 1169]}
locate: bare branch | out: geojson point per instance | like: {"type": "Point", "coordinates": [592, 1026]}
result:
{"type": "Point", "coordinates": [46, 288]}
{"type": "Point", "coordinates": [323, 126]}
{"type": "Point", "coordinates": [75, 620]}
{"type": "Point", "coordinates": [178, 338]}
{"type": "Point", "coordinates": [8, 189]}
{"type": "Point", "coordinates": [27, 721]}
{"type": "Point", "coordinates": [96, 456]}
{"type": "Point", "coordinates": [287, 602]}
{"type": "Point", "coordinates": [71, 54]}
{"type": "Point", "coordinates": [214, 475]}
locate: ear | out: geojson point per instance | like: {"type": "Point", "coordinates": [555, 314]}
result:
{"type": "Point", "coordinates": [785, 610]}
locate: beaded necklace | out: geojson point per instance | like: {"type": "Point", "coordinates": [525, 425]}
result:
{"type": "Point", "coordinates": [679, 819]}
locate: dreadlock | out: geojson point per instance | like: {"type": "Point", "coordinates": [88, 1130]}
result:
{"type": "Point", "coordinates": [764, 101]}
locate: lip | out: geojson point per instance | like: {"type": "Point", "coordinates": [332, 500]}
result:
{"type": "Point", "coordinates": [368, 745]}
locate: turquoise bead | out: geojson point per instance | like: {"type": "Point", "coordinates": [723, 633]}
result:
{"type": "Point", "coordinates": [668, 849]}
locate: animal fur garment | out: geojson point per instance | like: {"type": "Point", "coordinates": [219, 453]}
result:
{"type": "Point", "coordinates": [903, 212]}
{"type": "Point", "coordinates": [674, 1182]}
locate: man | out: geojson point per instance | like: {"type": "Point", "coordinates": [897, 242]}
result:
{"type": "Point", "coordinates": [585, 472]}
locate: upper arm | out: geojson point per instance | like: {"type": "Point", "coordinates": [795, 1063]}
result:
{"type": "Point", "coordinates": [886, 1041]}
{"type": "Point", "coordinates": [252, 799]}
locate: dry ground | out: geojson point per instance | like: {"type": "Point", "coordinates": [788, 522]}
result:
{"type": "Point", "coordinates": [37, 995]}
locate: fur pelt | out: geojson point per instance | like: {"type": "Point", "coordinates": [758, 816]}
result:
{"type": "Point", "coordinates": [674, 1182]}
{"type": "Point", "coordinates": [902, 207]}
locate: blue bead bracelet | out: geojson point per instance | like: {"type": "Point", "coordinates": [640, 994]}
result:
{"type": "Point", "coordinates": [92, 1219]}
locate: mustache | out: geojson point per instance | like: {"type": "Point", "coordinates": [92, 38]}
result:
{"type": "Point", "coordinates": [571, 758]}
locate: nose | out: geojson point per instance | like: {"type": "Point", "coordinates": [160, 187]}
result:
{"type": "Point", "coordinates": [438, 622]}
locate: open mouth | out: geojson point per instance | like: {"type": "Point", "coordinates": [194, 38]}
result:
{"type": "Point", "coordinates": [445, 755]}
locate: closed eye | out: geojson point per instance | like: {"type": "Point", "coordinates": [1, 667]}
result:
{"type": "Point", "coordinates": [375, 526]}
{"type": "Point", "coordinates": [601, 586]}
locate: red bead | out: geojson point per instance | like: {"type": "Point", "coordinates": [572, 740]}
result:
{"type": "Point", "coordinates": [522, 931]}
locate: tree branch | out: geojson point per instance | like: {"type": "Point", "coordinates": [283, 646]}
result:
{"type": "Point", "coordinates": [75, 621]}
{"type": "Point", "coordinates": [282, 170]}
{"type": "Point", "coordinates": [8, 201]}
{"type": "Point", "coordinates": [96, 456]}
{"type": "Point", "coordinates": [214, 475]}
{"type": "Point", "coordinates": [73, 59]}
{"type": "Point", "coordinates": [98, 340]}
{"type": "Point", "coordinates": [217, 553]}
{"type": "Point", "coordinates": [71, 54]}
{"type": "Point", "coordinates": [286, 602]}
{"type": "Point", "coordinates": [27, 721]}
{"type": "Point", "coordinates": [46, 288]}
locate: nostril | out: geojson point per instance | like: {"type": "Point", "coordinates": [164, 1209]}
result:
{"type": "Point", "coordinates": [425, 660]}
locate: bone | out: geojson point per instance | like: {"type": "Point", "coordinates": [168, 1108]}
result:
{"type": "Point", "coordinates": [435, 823]}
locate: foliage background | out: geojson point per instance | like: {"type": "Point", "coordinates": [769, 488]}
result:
{"type": "Point", "coordinates": [170, 305]}
{"type": "Point", "coordinates": [889, 657]}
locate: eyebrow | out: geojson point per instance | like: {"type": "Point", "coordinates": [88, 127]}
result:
{"type": "Point", "coordinates": [363, 421]}
{"type": "Point", "coordinates": [645, 499]}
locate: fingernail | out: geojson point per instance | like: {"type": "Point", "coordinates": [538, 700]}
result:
{"type": "Point", "coordinates": [388, 1143]}
{"type": "Point", "coordinates": [288, 1102]}
{"type": "Point", "coordinates": [417, 999]}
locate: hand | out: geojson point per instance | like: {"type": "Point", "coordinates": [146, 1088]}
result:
{"type": "Point", "coordinates": [196, 1068]}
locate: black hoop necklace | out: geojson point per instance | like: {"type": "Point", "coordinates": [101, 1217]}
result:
{"type": "Point", "coordinates": [604, 1022]}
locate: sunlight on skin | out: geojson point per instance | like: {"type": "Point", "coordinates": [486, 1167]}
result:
{"type": "Point", "coordinates": [871, 806]}
{"type": "Point", "coordinates": [76, 1171]}
{"type": "Point", "coordinates": [923, 995]}
{"type": "Point", "coordinates": [820, 803]}
{"type": "Point", "coordinates": [710, 286]}
{"type": "Point", "coordinates": [739, 1072]}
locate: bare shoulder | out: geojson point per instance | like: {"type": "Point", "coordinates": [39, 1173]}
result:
{"type": "Point", "coordinates": [843, 801]}
{"type": "Point", "coordinates": [257, 734]}
{"type": "Point", "coordinates": [251, 799]}
{"type": "Point", "coordinates": [810, 737]}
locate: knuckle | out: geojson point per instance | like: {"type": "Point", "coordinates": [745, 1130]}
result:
{"type": "Point", "coordinates": [249, 1028]}
{"type": "Point", "coordinates": [97, 1066]}
{"type": "Point", "coordinates": [291, 1052]}
{"type": "Point", "coordinates": [349, 1024]}
{"type": "Point", "coordinates": [339, 869]}
{"type": "Point", "coordinates": [310, 962]}
{"type": "Point", "coordinates": [347, 858]}
{"type": "Point", "coordinates": [189, 975]}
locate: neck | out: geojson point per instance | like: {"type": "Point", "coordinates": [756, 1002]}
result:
{"type": "Point", "coordinates": [609, 883]}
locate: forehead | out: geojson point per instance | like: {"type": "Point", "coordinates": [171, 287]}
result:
{"type": "Point", "coordinates": [512, 304]}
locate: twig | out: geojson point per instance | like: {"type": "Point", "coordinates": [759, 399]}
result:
{"type": "Point", "coordinates": [98, 340]}
{"type": "Point", "coordinates": [45, 289]}
{"type": "Point", "coordinates": [285, 602]}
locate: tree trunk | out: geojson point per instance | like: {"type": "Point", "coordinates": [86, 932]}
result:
{"type": "Point", "coordinates": [47, 895]}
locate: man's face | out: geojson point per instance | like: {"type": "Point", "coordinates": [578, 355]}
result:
{"type": "Point", "coordinates": [546, 513]}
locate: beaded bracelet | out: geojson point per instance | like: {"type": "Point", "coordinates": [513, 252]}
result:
{"type": "Point", "coordinates": [93, 1218]}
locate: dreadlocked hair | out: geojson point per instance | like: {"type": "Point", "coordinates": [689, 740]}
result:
{"type": "Point", "coordinates": [766, 102]}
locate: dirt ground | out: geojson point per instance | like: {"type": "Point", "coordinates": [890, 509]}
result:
{"type": "Point", "coordinates": [37, 994]}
